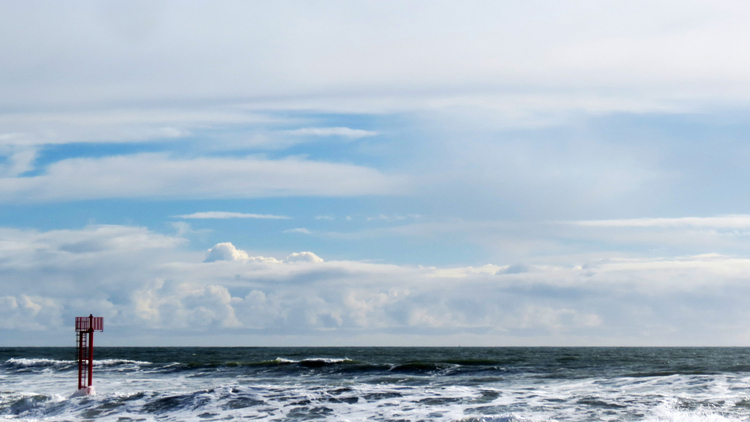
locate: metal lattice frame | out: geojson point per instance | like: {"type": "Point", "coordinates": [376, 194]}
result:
{"type": "Point", "coordinates": [85, 327]}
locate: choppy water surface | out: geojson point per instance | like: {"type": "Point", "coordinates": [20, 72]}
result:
{"type": "Point", "coordinates": [381, 384]}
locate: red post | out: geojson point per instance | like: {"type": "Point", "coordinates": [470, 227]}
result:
{"type": "Point", "coordinates": [80, 361]}
{"type": "Point", "coordinates": [91, 349]}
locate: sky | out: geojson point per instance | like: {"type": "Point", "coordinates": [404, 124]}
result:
{"type": "Point", "coordinates": [375, 173]}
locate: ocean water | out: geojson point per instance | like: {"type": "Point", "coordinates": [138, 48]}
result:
{"type": "Point", "coordinates": [380, 384]}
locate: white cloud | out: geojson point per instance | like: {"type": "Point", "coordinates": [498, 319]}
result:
{"type": "Point", "coordinates": [462, 272]}
{"type": "Point", "coordinates": [632, 52]}
{"type": "Point", "coordinates": [29, 313]}
{"type": "Point", "coordinates": [554, 319]}
{"type": "Point", "coordinates": [161, 176]}
{"type": "Point", "coordinates": [228, 252]}
{"type": "Point", "coordinates": [144, 283]}
{"type": "Point", "coordinates": [394, 217]}
{"type": "Point", "coordinates": [96, 240]}
{"type": "Point", "coordinates": [19, 160]}
{"type": "Point", "coordinates": [300, 230]}
{"type": "Point", "coordinates": [542, 176]}
{"type": "Point", "coordinates": [569, 242]}
{"type": "Point", "coordinates": [266, 259]}
{"type": "Point", "coordinates": [184, 306]}
{"type": "Point", "coordinates": [225, 214]}
{"type": "Point", "coordinates": [138, 124]}
{"type": "Point", "coordinates": [225, 252]}
{"type": "Point", "coordinates": [304, 257]}
{"type": "Point", "coordinates": [344, 132]}
{"type": "Point", "coordinates": [723, 222]}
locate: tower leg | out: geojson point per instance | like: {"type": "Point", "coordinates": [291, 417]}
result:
{"type": "Point", "coordinates": [80, 360]}
{"type": "Point", "coordinates": [91, 356]}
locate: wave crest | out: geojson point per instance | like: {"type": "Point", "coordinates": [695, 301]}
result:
{"type": "Point", "coordinates": [21, 363]}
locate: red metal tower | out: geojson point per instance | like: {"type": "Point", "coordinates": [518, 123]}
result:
{"type": "Point", "coordinates": [85, 327]}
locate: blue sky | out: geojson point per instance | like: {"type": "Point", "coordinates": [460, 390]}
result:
{"type": "Point", "coordinates": [375, 173]}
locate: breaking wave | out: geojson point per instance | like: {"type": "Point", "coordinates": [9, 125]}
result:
{"type": "Point", "coordinates": [445, 385]}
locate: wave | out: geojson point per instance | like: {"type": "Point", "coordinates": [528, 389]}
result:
{"type": "Point", "coordinates": [114, 362]}
{"type": "Point", "coordinates": [323, 360]}
{"type": "Point", "coordinates": [654, 374]}
{"type": "Point", "coordinates": [422, 367]}
{"type": "Point", "coordinates": [313, 362]}
{"type": "Point", "coordinates": [275, 362]}
{"type": "Point", "coordinates": [477, 362]}
{"type": "Point", "coordinates": [42, 363]}
{"type": "Point", "coordinates": [263, 401]}
{"type": "Point", "coordinates": [284, 365]}
{"type": "Point", "coordinates": [392, 399]}
{"type": "Point", "coordinates": [37, 363]}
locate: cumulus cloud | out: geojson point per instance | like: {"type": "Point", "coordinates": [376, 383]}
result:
{"type": "Point", "coordinates": [181, 306]}
{"type": "Point", "coordinates": [225, 252]}
{"type": "Point", "coordinates": [344, 132]}
{"type": "Point", "coordinates": [228, 252]}
{"type": "Point", "coordinates": [304, 257]}
{"type": "Point", "coordinates": [225, 214]}
{"type": "Point", "coordinates": [29, 313]}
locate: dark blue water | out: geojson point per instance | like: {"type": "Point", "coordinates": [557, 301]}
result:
{"type": "Point", "coordinates": [385, 384]}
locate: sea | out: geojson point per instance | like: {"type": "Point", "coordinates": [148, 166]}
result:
{"type": "Point", "coordinates": [380, 384]}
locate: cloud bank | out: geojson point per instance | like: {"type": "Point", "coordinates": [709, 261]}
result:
{"type": "Point", "coordinates": [146, 284]}
{"type": "Point", "coordinates": [634, 52]}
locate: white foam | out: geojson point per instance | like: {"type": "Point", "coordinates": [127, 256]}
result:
{"type": "Point", "coordinates": [361, 401]}
{"type": "Point", "coordinates": [111, 362]}
{"type": "Point", "coordinates": [27, 362]}
{"type": "Point", "coordinates": [327, 360]}
{"type": "Point", "coordinates": [504, 418]}
{"type": "Point", "coordinates": [324, 360]}
{"type": "Point", "coordinates": [86, 391]}
{"type": "Point", "coordinates": [37, 362]}
{"type": "Point", "coordinates": [363, 397]}
{"type": "Point", "coordinates": [670, 411]}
